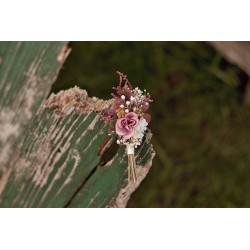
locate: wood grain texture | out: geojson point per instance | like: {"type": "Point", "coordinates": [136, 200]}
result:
{"type": "Point", "coordinates": [51, 153]}
{"type": "Point", "coordinates": [27, 72]}
{"type": "Point", "coordinates": [59, 165]}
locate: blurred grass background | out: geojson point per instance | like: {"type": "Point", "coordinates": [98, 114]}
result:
{"type": "Point", "coordinates": [199, 121]}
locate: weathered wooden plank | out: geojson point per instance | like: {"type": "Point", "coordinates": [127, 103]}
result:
{"type": "Point", "coordinates": [52, 153]}
{"type": "Point", "coordinates": [27, 72]}
{"type": "Point", "coordinates": [110, 182]}
{"type": "Point", "coordinates": [235, 52]}
{"type": "Point", "coordinates": [58, 162]}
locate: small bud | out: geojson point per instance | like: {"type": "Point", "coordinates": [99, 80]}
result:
{"type": "Point", "coordinates": [123, 97]}
{"type": "Point", "coordinates": [121, 106]}
{"type": "Point", "coordinates": [132, 98]}
{"type": "Point", "coordinates": [118, 142]}
{"type": "Point", "coordinates": [126, 110]}
{"type": "Point", "coordinates": [127, 102]}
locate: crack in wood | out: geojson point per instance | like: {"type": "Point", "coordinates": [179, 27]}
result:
{"type": "Point", "coordinates": [52, 154]}
{"type": "Point", "coordinates": [80, 186]}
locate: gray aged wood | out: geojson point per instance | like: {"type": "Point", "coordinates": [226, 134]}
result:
{"type": "Point", "coordinates": [235, 52]}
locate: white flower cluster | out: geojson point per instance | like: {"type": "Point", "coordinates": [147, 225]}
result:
{"type": "Point", "coordinates": [139, 96]}
{"type": "Point", "coordinates": [140, 130]}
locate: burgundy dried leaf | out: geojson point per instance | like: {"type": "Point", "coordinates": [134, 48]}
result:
{"type": "Point", "coordinates": [147, 117]}
{"type": "Point", "coordinates": [144, 106]}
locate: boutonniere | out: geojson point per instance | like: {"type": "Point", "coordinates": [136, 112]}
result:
{"type": "Point", "coordinates": [128, 119]}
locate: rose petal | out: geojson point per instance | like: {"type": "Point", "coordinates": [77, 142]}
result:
{"type": "Point", "coordinates": [126, 126]}
{"type": "Point", "coordinates": [129, 135]}
{"type": "Point", "coordinates": [133, 116]}
{"type": "Point", "coordinates": [119, 129]}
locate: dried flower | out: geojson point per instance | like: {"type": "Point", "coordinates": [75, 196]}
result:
{"type": "Point", "coordinates": [128, 117]}
{"type": "Point", "coordinates": [125, 127]}
{"type": "Point", "coordinates": [140, 129]}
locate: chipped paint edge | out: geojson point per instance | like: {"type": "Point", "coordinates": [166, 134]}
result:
{"type": "Point", "coordinates": [123, 196]}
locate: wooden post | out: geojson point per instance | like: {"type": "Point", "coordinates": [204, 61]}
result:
{"type": "Point", "coordinates": [50, 150]}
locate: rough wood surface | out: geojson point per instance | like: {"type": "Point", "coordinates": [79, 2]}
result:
{"type": "Point", "coordinates": [27, 72]}
{"type": "Point", "coordinates": [58, 164]}
{"type": "Point", "coordinates": [54, 157]}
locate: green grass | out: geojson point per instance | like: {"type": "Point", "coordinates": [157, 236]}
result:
{"type": "Point", "coordinates": [200, 125]}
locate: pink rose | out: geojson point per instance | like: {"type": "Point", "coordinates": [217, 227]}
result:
{"type": "Point", "coordinates": [126, 126]}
